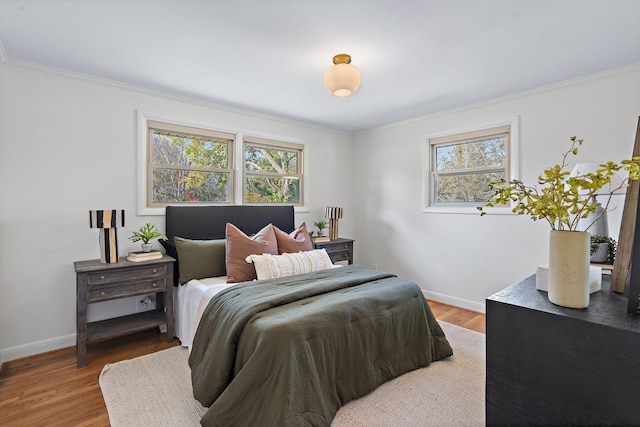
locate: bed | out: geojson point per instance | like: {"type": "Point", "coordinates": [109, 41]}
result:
{"type": "Point", "coordinates": [290, 349]}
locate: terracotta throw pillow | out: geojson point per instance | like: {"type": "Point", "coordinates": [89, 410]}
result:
{"type": "Point", "coordinates": [239, 246]}
{"type": "Point", "coordinates": [296, 241]}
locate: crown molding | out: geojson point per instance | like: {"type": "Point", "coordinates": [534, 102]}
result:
{"type": "Point", "coordinates": [541, 89]}
{"type": "Point", "coordinates": [167, 95]}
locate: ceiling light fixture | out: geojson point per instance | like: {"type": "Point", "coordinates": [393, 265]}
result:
{"type": "Point", "coordinates": [342, 79]}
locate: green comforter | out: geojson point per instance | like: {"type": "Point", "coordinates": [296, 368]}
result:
{"type": "Point", "coordinates": [292, 351]}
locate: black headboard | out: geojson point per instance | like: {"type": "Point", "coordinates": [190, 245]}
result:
{"type": "Point", "coordinates": [209, 222]}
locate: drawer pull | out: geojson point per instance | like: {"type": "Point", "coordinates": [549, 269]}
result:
{"type": "Point", "coordinates": [155, 270]}
{"type": "Point", "coordinates": [103, 293]}
{"type": "Point", "coordinates": [155, 285]}
{"type": "Point", "coordinates": [101, 277]}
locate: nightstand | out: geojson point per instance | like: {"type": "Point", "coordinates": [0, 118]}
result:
{"type": "Point", "coordinates": [339, 249]}
{"type": "Point", "coordinates": [96, 281]}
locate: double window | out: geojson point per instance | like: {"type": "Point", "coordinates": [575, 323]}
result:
{"type": "Point", "coordinates": [462, 165]}
{"type": "Point", "coordinates": [192, 165]}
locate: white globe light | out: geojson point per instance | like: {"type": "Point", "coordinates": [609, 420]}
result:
{"type": "Point", "coordinates": [342, 79]}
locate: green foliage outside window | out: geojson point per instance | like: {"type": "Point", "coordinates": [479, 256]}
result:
{"type": "Point", "coordinates": [189, 169]}
{"type": "Point", "coordinates": [190, 165]}
{"type": "Point", "coordinates": [272, 174]}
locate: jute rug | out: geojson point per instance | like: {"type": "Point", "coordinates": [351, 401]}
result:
{"type": "Point", "coordinates": [155, 390]}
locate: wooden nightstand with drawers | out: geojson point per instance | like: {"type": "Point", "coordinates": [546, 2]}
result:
{"type": "Point", "coordinates": [339, 249]}
{"type": "Point", "coordinates": [96, 281]}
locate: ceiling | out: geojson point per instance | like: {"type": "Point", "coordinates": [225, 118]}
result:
{"type": "Point", "coordinates": [417, 57]}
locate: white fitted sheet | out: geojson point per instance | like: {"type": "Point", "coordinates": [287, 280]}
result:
{"type": "Point", "coordinates": [187, 300]}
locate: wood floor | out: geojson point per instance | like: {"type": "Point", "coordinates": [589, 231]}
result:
{"type": "Point", "coordinates": [459, 316]}
{"type": "Point", "coordinates": [48, 389]}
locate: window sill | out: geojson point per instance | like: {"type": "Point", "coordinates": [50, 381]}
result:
{"type": "Point", "coordinates": [161, 211]}
{"type": "Point", "coordinates": [501, 210]}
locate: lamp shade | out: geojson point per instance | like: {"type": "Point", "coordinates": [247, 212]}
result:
{"type": "Point", "coordinates": [342, 79]}
{"type": "Point", "coordinates": [332, 212]}
{"type": "Point", "coordinates": [617, 180]}
{"type": "Point", "coordinates": [106, 218]}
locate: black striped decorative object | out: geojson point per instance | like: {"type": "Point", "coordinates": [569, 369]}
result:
{"type": "Point", "coordinates": [334, 214]}
{"type": "Point", "coordinates": [112, 218]}
{"type": "Point", "coordinates": [108, 221]}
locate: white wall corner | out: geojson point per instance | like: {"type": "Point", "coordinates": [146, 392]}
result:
{"type": "Point", "coordinates": [3, 53]}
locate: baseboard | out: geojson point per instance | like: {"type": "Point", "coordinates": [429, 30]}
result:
{"type": "Point", "coordinates": [458, 302]}
{"type": "Point", "coordinates": [30, 349]}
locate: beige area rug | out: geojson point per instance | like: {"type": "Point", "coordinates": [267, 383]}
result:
{"type": "Point", "coordinates": [155, 390]}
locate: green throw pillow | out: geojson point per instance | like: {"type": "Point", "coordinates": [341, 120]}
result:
{"type": "Point", "coordinates": [198, 259]}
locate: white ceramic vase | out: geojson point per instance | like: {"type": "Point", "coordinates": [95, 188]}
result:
{"type": "Point", "coordinates": [569, 268]}
{"type": "Point", "coordinates": [146, 247]}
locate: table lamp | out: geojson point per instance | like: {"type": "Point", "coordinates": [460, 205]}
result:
{"type": "Point", "coordinates": [600, 225]}
{"type": "Point", "coordinates": [334, 214]}
{"type": "Point", "coordinates": [107, 221]}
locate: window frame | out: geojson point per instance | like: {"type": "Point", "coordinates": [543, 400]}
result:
{"type": "Point", "coordinates": [458, 135]}
{"type": "Point", "coordinates": [237, 161]}
{"type": "Point", "coordinates": [250, 140]}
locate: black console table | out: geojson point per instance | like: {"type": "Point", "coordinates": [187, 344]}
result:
{"type": "Point", "coordinates": [550, 365]}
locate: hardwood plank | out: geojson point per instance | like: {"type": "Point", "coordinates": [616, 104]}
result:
{"type": "Point", "coordinates": [48, 389]}
{"type": "Point", "coordinates": [458, 316]}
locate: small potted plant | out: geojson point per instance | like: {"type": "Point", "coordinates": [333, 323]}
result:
{"type": "Point", "coordinates": [321, 225]}
{"type": "Point", "coordinates": [603, 249]}
{"type": "Point", "coordinates": [145, 234]}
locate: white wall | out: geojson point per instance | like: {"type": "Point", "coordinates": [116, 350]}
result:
{"type": "Point", "coordinates": [68, 145]}
{"type": "Point", "coordinates": [463, 258]}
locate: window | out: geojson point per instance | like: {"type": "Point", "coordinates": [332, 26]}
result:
{"type": "Point", "coordinates": [272, 172]}
{"type": "Point", "coordinates": [195, 163]}
{"type": "Point", "coordinates": [462, 165]}
{"type": "Point", "coordinates": [188, 165]}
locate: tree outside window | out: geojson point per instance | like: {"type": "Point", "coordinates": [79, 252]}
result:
{"type": "Point", "coordinates": [189, 165]}
{"type": "Point", "coordinates": [463, 165]}
{"type": "Point", "coordinates": [272, 172]}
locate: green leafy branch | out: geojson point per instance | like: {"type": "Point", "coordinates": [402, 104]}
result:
{"type": "Point", "coordinates": [563, 199]}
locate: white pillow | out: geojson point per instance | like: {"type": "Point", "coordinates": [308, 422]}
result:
{"type": "Point", "coordinates": [271, 266]}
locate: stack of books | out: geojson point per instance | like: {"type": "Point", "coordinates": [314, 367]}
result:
{"type": "Point", "coordinates": [144, 256]}
{"type": "Point", "coordinates": [321, 239]}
